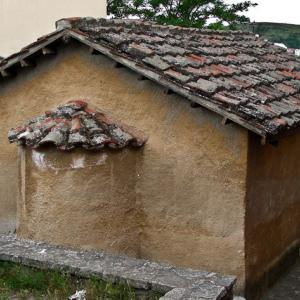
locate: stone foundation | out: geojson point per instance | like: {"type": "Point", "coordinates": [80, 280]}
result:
{"type": "Point", "coordinates": [177, 283]}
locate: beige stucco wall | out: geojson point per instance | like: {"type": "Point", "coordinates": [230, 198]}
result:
{"type": "Point", "coordinates": [23, 21]}
{"type": "Point", "coordinates": [84, 199]}
{"type": "Point", "coordinates": [190, 177]}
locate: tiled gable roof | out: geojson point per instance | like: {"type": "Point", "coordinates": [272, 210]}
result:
{"type": "Point", "coordinates": [74, 124]}
{"type": "Point", "coordinates": [236, 74]}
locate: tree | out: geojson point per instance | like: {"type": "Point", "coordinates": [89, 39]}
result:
{"type": "Point", "coordinates": [188, 13]}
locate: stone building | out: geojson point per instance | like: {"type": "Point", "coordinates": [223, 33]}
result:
{"type": "Point", "coordinates": [215, 187]}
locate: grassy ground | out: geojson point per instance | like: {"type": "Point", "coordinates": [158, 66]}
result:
{"type": "Point", "coordinates": [19, 282]}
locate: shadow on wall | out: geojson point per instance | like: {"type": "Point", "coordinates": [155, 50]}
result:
{"type": "Point", "coordinates": [8, 195]}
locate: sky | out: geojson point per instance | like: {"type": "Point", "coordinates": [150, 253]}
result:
{"type": "Point", "coordinates": [279, 11]}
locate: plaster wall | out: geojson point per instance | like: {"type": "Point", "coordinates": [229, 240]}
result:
{"type": "Point", "coordinates": [189, 180]}
{"type": "Point", "coordinates": [272, 220]}
{"type": "Point", "coordinates": [84, 199]}
{"type": "Point", "coordinates": [23, 21]}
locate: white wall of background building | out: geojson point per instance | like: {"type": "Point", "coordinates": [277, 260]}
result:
{"type": "Point", "coordinates": [23, 21]}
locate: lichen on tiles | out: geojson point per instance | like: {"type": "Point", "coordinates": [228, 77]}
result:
{"type": "Point", "coordinates": [75, 124]}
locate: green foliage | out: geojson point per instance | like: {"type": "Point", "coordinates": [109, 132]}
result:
{"type": "Point", "coordinates": [188, 13]}
{"type": "Point", "coordinates": [287, 34]}
{"type": "Point", "coordinates": [22, 282]}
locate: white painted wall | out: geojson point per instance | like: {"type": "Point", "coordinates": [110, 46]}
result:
{"type": "Point", "coordinates": [23, 21]}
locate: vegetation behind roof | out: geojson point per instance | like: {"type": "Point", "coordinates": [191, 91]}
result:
{"type": "Point", "coordinates": [288, 34]}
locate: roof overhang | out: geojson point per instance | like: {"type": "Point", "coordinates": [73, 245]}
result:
{"type": "Point", "coordinates": [65, 32]}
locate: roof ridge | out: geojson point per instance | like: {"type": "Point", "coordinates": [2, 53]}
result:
{"type": "Point", "coordinates": [74, 22]}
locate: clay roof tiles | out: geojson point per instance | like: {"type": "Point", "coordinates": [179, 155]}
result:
{"type": "Point", "coordinates": [236, 74]}
{"type": "Point", "coordinates": [74, 124]}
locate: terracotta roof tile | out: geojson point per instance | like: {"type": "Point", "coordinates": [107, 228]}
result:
{"type": "Point", "coordinates": [205, 86]}
{"type": "Point", "coordinates": [225, 99]}
{"type": "Point", "coordinates": [178, 76]}
{"type": "Point", "coordinates": [233, 73]}
{"type": "Point", "coordinates": [156, 62]}
{"type": "Point", "coordinates": [76, 125]}
{"type": "Point", "coordinates": [199, 60]}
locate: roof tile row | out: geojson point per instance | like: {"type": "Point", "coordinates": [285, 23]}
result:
{"type": "Point", "coordinates": [236, 71]}
{"type": "Point", "coordinates": [74, 124]}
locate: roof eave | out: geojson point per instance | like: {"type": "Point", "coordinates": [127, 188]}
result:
{"type": "Point", "coordinates": [148, 73]}
{"type": "Point", "coordinates": [29, 50]}
{"type": "Point", "coordinates": [207, 103]}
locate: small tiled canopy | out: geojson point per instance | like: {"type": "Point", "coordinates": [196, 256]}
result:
{"type": "Point", "coordinates": [74, 124]}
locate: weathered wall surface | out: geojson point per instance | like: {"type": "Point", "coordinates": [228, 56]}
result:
{"type": "Point", "coordinates": [190, 179]}
{"type": "Point", "coordinates": [8, 186]}
{"type": "Point", "coordinates": [272, 224]}
{"type": "Point", "coordinates": [84, 199]}
{"type": "Point", "coordinates": [23, 21]}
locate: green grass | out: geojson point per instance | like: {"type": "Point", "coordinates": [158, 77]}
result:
{"type": "Point", "coordinates": [20, 282]}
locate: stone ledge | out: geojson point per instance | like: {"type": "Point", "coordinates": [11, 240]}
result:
{"type": "Point", "coordinates": [177, 283]}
